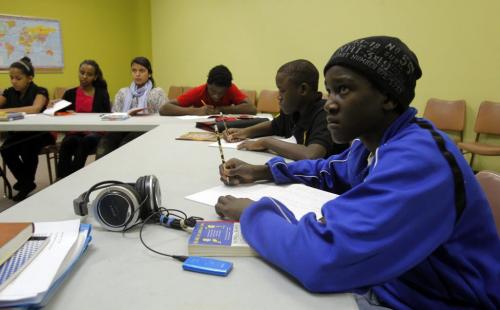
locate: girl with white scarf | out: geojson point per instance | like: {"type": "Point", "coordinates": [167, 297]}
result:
{"type": "Point", "coordinates": [141, 97]}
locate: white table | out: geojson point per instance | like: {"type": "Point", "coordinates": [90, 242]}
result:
{"type": "Point", "coordinates": [117, 272]}
{"type": "Point", "coordinates": [83, 122]}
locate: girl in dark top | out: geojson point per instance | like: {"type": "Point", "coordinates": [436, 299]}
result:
{"type": "Point", "coordinates": [90, 97]}
{"type": "Point", "coordinates": [20, 149]}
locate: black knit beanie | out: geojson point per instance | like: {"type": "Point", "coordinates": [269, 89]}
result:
{"type": "Point", "coordinates": [386, 61]}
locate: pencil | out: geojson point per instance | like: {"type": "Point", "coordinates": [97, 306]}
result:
{"type": "Point", "coordinates": [220, 145]}
{"type": "Point", "coordinates": [223, 121]}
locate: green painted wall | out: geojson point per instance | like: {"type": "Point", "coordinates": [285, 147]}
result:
{"type": "Point", "coordinates": [110, 31]}
{"type": "Point", "coordinates": [457, 42]}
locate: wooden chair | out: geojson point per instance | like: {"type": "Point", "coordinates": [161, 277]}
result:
{"type": "Point", "coordinates": [59, 92]}
{"type": "Point", "coordinates": [447, 115]}
{"type": "Point", "coordinates": [268, 102]}
{"type": "Point", "coordinates": [186, 88]}
{"type": "Point", "coordinates": [251, 95]}
{"type": "Point", "coordinates": [490, 183]}
{"type": "Point", "coordinates": [174, 92]}
{"type": "Point", "coordinates": [50, 151]}
{"type": "Point", "coordinates": [487, 122]}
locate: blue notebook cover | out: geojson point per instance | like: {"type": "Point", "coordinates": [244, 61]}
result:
{"type": "Point", "coordinates": [57, 282]}
{"type": "Point", "coordinates": [21, 258]}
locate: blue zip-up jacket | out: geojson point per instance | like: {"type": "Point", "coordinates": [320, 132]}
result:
{"type": "Point", "coordinates": [393, 229]}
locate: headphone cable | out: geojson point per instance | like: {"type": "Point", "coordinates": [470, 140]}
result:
{"type": "Point", "coordinates": [180, 258]}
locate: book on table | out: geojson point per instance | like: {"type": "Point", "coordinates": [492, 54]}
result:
{"type": "Point", "coordinates": [198, 136]}
{"type": "Point", "coordinates": [11, 116]}
{"type": "Point", "coordinates": [20, 259]}
{"type": "Point", "coordinates": [218, 238]}
{"type": "Point", "coordinates": [118, 116]}
{"type": "Point", "coordinates": [59, 105]}
{"type": "Point", "coordinates": [230, 122]}
{"type": "Point", "coordinates": [12, 237]}
{"type": "Point", "coordinates": [39, 280]}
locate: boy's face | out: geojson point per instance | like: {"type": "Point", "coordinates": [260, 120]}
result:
{"type": "Point", "coordinates": [355, 108]}
{"type": "Point", "coordinates": [216, 93]}
{"type": "Point", "coordinates": [289, 97]}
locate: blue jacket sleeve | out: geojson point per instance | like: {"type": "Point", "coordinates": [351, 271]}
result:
{"type": "Point", "coordinates": [384, 226]}
{"type": "Point", "coordinates": [329, 174]}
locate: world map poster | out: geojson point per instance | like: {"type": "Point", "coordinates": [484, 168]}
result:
{"type": "Point", "coordinates": [39, 39]}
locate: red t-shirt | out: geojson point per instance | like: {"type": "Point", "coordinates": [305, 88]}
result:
{"type": "Point", "coordinates": [194, 96]}
{"type": "Point", "coordinates": [83, 102]}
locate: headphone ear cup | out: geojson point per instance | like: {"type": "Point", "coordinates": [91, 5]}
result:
{"type": "Point", "coordinates": [116, 207]}
{"type": "Point", "coordinates": [149, 190]}
{"type": "Point", "coordinates": [140, 186]}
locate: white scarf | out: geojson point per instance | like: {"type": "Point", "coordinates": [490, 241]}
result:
{"type": "Point", "coordinates": [141, 94]}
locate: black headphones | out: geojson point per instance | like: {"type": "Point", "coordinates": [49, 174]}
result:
{"type": "Point", "coordinates": [120, 205]}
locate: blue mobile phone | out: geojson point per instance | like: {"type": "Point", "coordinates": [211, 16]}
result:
{"type": "Point", "coordinates": [207, 265]}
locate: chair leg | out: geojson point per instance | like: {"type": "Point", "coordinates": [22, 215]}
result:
{"type": "Point", "coordinates": [49, 167]}
{"type": "Point", "coordinates": [7, 189]}
{"type": "Point", "coordinates": [471, 162]}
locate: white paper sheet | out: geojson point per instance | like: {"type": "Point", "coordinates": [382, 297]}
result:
{"type": "Point", "coordinates": [189, 117]}
{"type": "Point", "coordinates": [299, 198]}
{"type": "Point", "coordinates": [61, 104]}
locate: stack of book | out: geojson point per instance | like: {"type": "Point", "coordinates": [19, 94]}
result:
{"type": "Point", "coordinates": [218, 238]}
{"type": "Point", "coordinates": [11, 116]}
{"type": "Point", "coordinates": [36, 257]}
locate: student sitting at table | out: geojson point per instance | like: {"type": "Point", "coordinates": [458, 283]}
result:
{"type": "Point", "coordinates": [219, 94]}
{"type": "Point", "coordinates": [141, 95]}
{"type": "Point", "coordinates": [302, 116]}
{"type": "Point", "coordinates": [90, 97]}
{"type": "Point", "coordinates": [411, 228]}
{"type": "Point", "coordinates": [20, 149]}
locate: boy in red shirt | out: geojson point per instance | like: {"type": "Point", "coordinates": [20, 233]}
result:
{"type": "Point", "coordinates": [219, 94]}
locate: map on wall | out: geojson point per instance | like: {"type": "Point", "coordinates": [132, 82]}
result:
{"type": "Point", "coordinates": [39, 39]}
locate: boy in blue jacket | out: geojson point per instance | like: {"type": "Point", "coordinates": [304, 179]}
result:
{"type": "Point", "coordinates": [411, 228]}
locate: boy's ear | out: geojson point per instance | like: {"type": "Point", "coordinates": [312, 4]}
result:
{"type": "Point", "coordinates": [304, 88]}
{"type": "Point", "coordinates": [389, 104]}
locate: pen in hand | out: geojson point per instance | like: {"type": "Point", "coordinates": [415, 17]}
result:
{"type": "Point", "coordinates": [223, 121]}
{"type": "Point", "coordinates": [220, 149]}
{"type": "Point", "coordinates": [219, 143]}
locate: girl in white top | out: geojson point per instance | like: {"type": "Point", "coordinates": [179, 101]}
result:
{"type": "Point", "coordinates": [141, 97]}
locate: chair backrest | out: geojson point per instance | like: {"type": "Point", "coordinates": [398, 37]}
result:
{"type": "Point", "coordinates": [488, 118]}
{"type": "Point", "coordinates": [251, 95]}
{"type": "Point", "coordinates": [59, 92]}
{"type": "Point", "coordinates": [490, 182]}
{"type": "Point", "coordinates": [446, 114]}
{"type": "Point", "coordinates": [174, 92]}
{"type": "Point", "coordinates": [186, 88]}
{"type": "Point", "coordinates": [268, 101]}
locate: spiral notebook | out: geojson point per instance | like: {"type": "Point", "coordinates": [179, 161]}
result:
{"type": "Point", "coordinates": [20, 259]}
